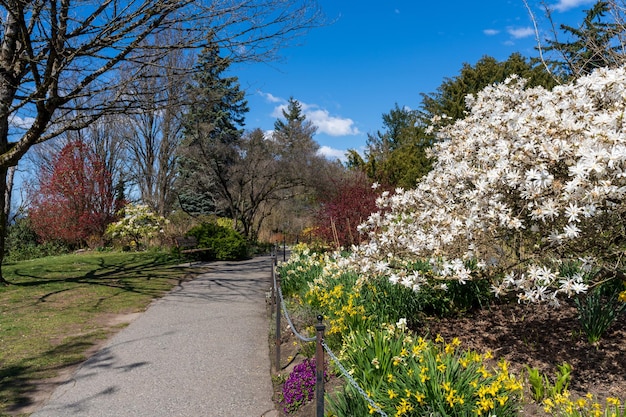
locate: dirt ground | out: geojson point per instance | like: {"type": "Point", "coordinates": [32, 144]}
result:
{"type": "Point", "coordinates": [544, 337]}
{"type": "Point", "coordinates": [538, 336]}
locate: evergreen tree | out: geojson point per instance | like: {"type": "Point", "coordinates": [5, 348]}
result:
{"type": "Point", "coordinates": [594, 44]}
{"type": "Point", "coordinates": [449, 99]}
{"type": "Point", "coordinates": [213, 126]}
{"type": "Point", "coordinates": [397, 156]}
{"type": "Point", "coordinates": [294, 136]}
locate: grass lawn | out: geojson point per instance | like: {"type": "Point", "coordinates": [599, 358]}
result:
{"type": "Point", "coordinates": [58, 308]}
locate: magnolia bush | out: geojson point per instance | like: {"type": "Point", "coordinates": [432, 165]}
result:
{"type": "Point", "coordinates": [528, 190]}
{"type": "Point", "coordinates": [138, 222]}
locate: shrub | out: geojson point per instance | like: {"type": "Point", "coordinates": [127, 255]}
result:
{"type": "Point", "coordinates": [225, 243]}
{"type": "Point", "coordinates": [137, 224]}
{"type": "Point", "coordinates": [22, 243]}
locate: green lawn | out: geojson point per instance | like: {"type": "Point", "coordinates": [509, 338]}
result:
{"type": "Point", "coordinates": [56, 308]}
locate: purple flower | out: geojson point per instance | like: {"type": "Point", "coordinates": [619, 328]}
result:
{"type": "Point", "coordinates": [299, 388]}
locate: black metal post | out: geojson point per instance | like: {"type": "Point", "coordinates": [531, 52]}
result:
{"type": "Point", "coordinates": [319, 367]}
{"type": "Point", "coordinates": [278, 301]}
{"type": "Point", "coordinates": [273, 296]}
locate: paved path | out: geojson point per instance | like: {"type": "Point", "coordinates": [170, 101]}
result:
{"type": "Point", "coordinates": [201, 351]}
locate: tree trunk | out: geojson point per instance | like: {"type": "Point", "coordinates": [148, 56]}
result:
{"type": "Point", "coordinates": [3, 218]}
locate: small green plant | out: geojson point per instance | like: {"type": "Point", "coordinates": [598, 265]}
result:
{"type": "Point", "coordinates": [598, 310]}
{"type": "Point", "coordinates": [536, 380]}
{"type": "Point", "coordinates": [541, 385]}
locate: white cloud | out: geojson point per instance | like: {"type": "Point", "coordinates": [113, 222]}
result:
{"type": "Point", "coordinates": [491, 32]}
{"type": "Point", "coordinates": [321, 118]}
{"type": "Point", "coordinates": [331, 153]}
{"type": "Point", "coordinates": [271, 98]}
{"type": "Point", "coordinates": [325, 123]}
{"type": "Point", "coordinates": [564, 5]}
{"type": "Point", "coordinates": [21, 122]}
{"type": "Point", "coordinates": [519, 33]}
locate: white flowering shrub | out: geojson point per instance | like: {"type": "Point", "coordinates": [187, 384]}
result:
{"type": "Point", "coordinates": [138, 223]}
{"type": "Point", "coordinates": [528, 190]}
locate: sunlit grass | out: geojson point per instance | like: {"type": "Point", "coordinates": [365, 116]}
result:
{"type": "Point", "coordinates": [56, 308]}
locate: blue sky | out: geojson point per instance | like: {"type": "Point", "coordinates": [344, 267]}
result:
{"type": "Point", "coordinates": [375, 54]}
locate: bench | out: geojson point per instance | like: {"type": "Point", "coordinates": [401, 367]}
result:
{"type": "Point", "coordinates": [189, 245]}
{"type": "Point", "coordinates": [186, 244]}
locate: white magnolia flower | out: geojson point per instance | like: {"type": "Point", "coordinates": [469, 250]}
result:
{"type": "Point", "coordinates": [542, 168]}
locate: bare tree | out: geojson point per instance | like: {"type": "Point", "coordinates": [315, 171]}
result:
{"type": "Point", "coordinates": [58, 58]}
{"type": "Point", "coordinates": [154, 132]}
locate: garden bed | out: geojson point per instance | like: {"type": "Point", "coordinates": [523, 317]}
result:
{"type": "Point", "coordinates": [539, 336]}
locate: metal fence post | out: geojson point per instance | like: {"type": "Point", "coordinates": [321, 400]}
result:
{"type": "Point", "coordinates": [319, 367]}
{"type": "Point", "coordinates": [278, 302]}
{"type": "Point", "coordinates": [273, 295]}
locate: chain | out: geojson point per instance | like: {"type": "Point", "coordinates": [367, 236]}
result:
{"type": "Point", "coordinates": [352, 381]}
{"type": "Point", "coordinates": [291, 326]}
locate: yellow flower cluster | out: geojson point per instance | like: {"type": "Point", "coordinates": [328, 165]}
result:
{"type": "Point", "coordinates": [342, 307]}
{"type": "Point", "coordinates": [425, 375]}
{"type": "Point", "coordinates": [563, 405]}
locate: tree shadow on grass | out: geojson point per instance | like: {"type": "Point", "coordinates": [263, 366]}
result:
{"type": "Point", "coordinates": [130, 276]}
{"type": "Point", "coordinates": [20, 383]}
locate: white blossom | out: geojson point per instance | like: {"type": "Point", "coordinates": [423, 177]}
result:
{"type": "Point", "coordinates": [543, 166]}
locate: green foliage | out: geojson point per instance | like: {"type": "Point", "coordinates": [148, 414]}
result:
{"type": "Point", "coordinates": [385, 302]}
{"type": "Point", "coordinates": [409, 375]}
{"type": "Point", "coordinates": [599, 309]}
{"type": "Point", "coordinates": [456, 299]}
{"type": "Point", "coordinates": [542, 387]}
{"type": "Point", "coordinates": [22, 243]}
{"type": "Point", "coordinates": [397, 155]}
{"type": "Point", "coordinates": [449, 99]}
{"type": "Point", "coordinates": [213, 125]}
{"type": "Point", "coordinates": [224, 242]}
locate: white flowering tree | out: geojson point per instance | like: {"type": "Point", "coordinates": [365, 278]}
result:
{"type": "Point", "coordinates": [138, 223]}
{"type": "Point", "coordinates": [528, 190]}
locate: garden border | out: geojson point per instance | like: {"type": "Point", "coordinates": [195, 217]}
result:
{"type": "Point", "coordinates": [279, 303]}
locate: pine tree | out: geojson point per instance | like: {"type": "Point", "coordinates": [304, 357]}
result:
{"type": "Point", "coordinates": [594, 44]}
{"type": "Point", "coordinates": [213, 127]}
{"type": "Point", "coordinates": [294, 134]}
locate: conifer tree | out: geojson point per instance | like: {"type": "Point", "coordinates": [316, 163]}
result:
{"type": "Point", "coordinates": [594, 44]}
{"type": "Point", "coordinates": [294, 135]}
{"type": "Point", "coordinates": [213, 126]}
